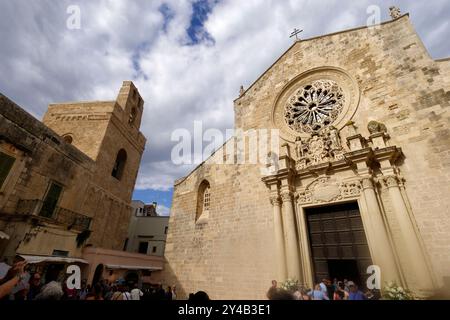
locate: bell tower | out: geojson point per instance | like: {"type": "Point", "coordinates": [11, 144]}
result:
{"type": "Point", "coordinates": [131, 103]}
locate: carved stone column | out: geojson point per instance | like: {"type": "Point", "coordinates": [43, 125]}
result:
{"type": "Point", "coordinates": [290, 230]}
{"type": "Point", "coordinates": [421, 278]}
{"type": "Point", "coordinates": [279, 238]}
{"type": "Point", "coordinates": [383, 253]}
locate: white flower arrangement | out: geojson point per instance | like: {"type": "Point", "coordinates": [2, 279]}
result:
{"type": "Point", "coordinates": [394, 292]}
{"type": "Point", "coordinates": [290, 285]}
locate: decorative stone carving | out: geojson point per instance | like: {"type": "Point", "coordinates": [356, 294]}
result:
{"type": "Point", "coordinates": [367, 183]}
{"type": "Point", "coordinates": [301, 148]}
{"type": "Point", "coordinates": [327, 193]}
{"type": "Point", "coordinates": [302, 107]}
{"type": "Point", "coordinates": [275, 200]}
{"type": "Point", "coordinates": [395, 12]}
{"type": "Point", "coordinates": [376, 127]}
{"type": "Point", "coordinates": [272, 165]}
{"type": "Point", "coordinates": [241, 91]}
{"type": "Point", "coordinates": [304, 196]}
{"type": "Point", "coordinates": [314, 106]}
{"type": "Point", "coordinates": [286, 196]}
{"type": "Point", "coordinates": [322, 147]}
{"type": "Point", "coordinates": [350, 189]}
{"type": "Point", "coordinates": [325, 189]}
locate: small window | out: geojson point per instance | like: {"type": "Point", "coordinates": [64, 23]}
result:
{"type": "Point", "coordinates": [203, 202]}
{"type": "Point", "coordinates": [166, 229]}
{"type": "Point", "coordinates": [154, 250]}
{"type": "Point", "coordinates": [6, 164]}
{"type": "Point", "coordinates": [143, 247]}
{"type": "Point", "coordinates": [133, 114]}
{"type": "Point", "coordinates": [119, 165]}
{"type": "Point", "coordinates": [207, 199]}
{"type": "Point", "coordinates": [68, 139]}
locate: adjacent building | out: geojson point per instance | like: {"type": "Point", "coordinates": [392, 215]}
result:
{"type": "Point", "coordinates": [147, 231]}
{"type": "Point", "coordinates": [66, 184]}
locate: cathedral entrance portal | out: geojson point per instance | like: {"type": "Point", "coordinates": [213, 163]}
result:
{"type": "Point", "coordinates": [338, 243]}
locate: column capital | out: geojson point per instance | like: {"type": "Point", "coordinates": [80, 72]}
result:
{"type": "Point", "coordinates": [286, 196]}
{"type": "Point", "coordinates": [367, 183]}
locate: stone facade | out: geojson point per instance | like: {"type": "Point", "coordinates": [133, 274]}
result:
{"type": "Point", "coordinates": [387, 148]}
{"type": "Point", "coordinates": [76, 148]}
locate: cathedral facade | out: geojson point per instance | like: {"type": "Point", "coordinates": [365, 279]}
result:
{"type": "Point", "coordinates": [361, 179]}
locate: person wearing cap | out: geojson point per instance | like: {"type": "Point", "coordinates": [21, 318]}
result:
{"type": "Point", "coordinates": [355, 293]}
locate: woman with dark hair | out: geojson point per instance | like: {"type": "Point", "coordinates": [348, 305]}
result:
{"type": "Point", "coordinates": [35, 286]}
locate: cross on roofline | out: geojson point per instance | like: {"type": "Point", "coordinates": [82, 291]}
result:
{"type": "Point", "coordinates": [295, 33]}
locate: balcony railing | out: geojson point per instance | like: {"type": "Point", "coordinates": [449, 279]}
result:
{"type": "Point", "coordinates": [71, 219]}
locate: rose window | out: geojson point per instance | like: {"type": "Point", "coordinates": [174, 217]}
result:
{"type": "Point", "coordinates": [314, 106]}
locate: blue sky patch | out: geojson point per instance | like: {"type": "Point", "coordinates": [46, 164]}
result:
{"type": "Point", "coordinates": [196, 30]}
{"type": "Point", "coordinates": [149, 196]}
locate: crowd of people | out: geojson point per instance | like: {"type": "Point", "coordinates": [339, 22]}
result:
{"type": "Point", "coordinates": [18, 284]}
{"type": "Point", "coordinates": [325, 290]}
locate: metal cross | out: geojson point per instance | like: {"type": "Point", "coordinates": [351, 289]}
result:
{"type": "Point", "coordinates": [295, 33]}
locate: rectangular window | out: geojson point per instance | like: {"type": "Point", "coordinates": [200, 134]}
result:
{"type": "Point", "coordinates": [143, 247]}
{"type": "Point", "coordinates": [166, 229]}
{"type": "Point", "coordinates": [51, 200]}
{"type": "Point", "coordinates": [154, 250]}
{"type": "Point", "coordinates": [6, 164]}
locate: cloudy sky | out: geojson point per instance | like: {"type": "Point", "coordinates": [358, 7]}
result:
{"type": "Point", "coordinates": [188, 58]}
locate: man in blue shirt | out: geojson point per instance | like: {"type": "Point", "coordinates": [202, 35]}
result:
{"type": "Point", "coordinates": [355, 294]}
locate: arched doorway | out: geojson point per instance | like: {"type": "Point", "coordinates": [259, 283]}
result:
{"type": "Point", "coordinates": [98, 275]}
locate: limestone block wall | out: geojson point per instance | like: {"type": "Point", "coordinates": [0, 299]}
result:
{"type": "Point", "coordinates": [84, 122]}
{"type": "Point", "coordinates": [231, 256]}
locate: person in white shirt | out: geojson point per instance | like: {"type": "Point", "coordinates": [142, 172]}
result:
{"type": "Point", "coordinates": [136, 293]}
{"type": "Point", "coordinates": [323, 286]}
{"type": "Point", "coordinates": [126, 294]}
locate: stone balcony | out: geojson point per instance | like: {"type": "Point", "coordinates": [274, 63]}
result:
{"type": "Point", "coordinates": [70, 219]}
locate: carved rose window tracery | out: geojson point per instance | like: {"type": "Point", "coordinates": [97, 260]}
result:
{"type": "Point", "coordinates": [314, 106]}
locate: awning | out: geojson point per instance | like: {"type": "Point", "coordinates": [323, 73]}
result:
{"type": "Point", "coordinates": [4, 235]}
{"type": "Point", "coordinates": [40, 259]}
{"type": "Point", "coordinates": [116, 266]}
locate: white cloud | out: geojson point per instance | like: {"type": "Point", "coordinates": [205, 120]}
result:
{"type": "Point", "coordinates": [163, 210]}
{"type": "Point", "coordinates": [42, 61]}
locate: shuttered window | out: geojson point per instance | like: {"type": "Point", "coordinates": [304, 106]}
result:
{"type": "Point", "coordinates": [6, 163]}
